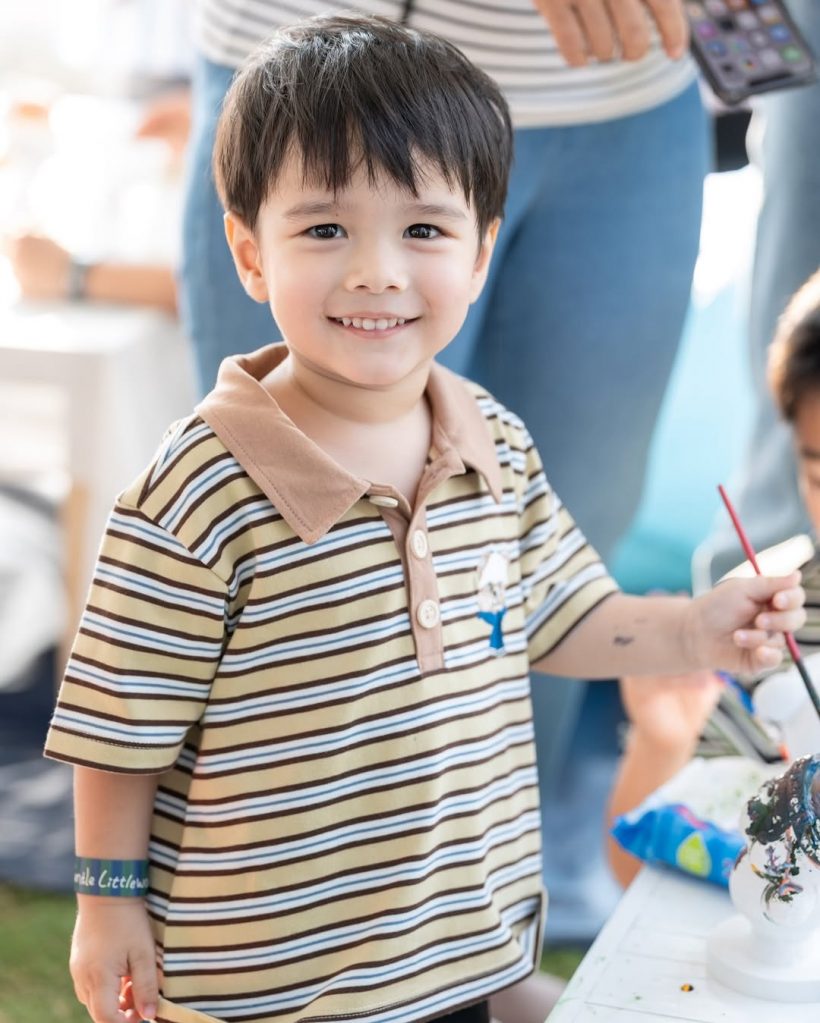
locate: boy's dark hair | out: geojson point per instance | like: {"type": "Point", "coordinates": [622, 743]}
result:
{"type": "Point", "coordinates": [343, 89]}
{"type": "Point", "coordinates": [794, 355]}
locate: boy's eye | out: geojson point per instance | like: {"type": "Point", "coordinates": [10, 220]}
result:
{"type": "Point", "coordinates": [326, 232]}
{"type": "Point", "coordinates": [423, 231]}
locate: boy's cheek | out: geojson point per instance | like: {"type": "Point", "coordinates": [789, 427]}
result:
{"type": "Point", "coordinates": [813, 509]}
{"type": "Point", "coordinates": [810, 492]}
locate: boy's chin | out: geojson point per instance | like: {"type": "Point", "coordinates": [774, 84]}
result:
{"type": "Point", "coordinates": [375, 371]}
{"type": "Point", "coordinates": [380, 381]}
{"type": "Point", "coordinates": [386, 374]}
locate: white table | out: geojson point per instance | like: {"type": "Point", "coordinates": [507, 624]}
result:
{"type": "Point", "coordinates": [652, 945]}
{"type": "Point", "coordinates": [125, 374]}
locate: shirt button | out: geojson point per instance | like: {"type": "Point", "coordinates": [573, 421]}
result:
{"type": "Point", "coordinates": [418, 543]}
{"type": "Point", "coordinates": [428, 614]}
{"type": "Point", "coordinates": [383, 501]}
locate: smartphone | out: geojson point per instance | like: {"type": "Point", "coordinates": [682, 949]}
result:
{"type": "Point", "coordinates": [746, 47]}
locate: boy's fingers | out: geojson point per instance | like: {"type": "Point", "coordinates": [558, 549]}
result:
{"type": "Point", "coordinates": [83, 996]}
{"type": "Point", "coordinates": [749, 639]}
{"type": "Point", "coordinates": [781, 621]}
{"type": "Point", "coordinates": [763, 588]}
{"type": "Point", "coordinates": [97, 992]}
{"type": "Point", "coordinates": [144, 984]}
{"type": "Point", "coordinates": [785, 600]}
{"type": "Point", "coordinates": [127, 996]}
{"type": "Point", "coordinates": [767, 657]}
{"type": "Point", "coordinates": [102, 1006]}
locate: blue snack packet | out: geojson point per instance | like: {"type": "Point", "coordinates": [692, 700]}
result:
{"type": "Point", "coordinates": [671, 834]}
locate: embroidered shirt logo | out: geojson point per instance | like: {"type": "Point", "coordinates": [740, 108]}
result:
{"type": "Point", "coordinates": [492, 581]}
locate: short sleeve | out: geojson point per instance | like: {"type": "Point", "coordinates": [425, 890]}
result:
{"type": "Point", "coordinates": [562, 577]}
{"type": "Point", "coordinates": [146, 653]}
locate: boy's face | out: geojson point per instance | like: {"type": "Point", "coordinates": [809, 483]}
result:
{"type": "Point", "coordinates": [807, 442]}
{"type": "Point", "coordinates": [366, 285]}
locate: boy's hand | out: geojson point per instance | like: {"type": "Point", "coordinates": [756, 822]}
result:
{"type": "Point", "coordinates": [606, 28]}
{"type": "Point", "coordinates": [112, 940]}
{"type": "Point", "coordinates": [739, 625]}
{"type": "Point", "coordinates": [668, 712]}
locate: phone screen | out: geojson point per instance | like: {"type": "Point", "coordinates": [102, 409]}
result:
{"type": "Point", "coordinates": [747, 46]}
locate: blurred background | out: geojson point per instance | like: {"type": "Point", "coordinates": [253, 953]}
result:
{"type": "Point", "coordinates": [93, 122]}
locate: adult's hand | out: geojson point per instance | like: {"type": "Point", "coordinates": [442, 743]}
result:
{"type": "Point", "coordinates": [605, 29]}
{"type": "Point", "coordinates": [168, 118]}
{"type": "Point", "coordinates": [40, 265]}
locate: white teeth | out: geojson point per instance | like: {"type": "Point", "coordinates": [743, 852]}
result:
{"type": "Point", "coordinates": [364, 323]}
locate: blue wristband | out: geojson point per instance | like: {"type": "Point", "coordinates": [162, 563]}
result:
{"type": "Point", "coordinates": [127, 878]}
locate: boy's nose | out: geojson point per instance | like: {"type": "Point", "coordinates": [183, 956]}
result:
{"type": "Point", "coordinates": [376, 269]}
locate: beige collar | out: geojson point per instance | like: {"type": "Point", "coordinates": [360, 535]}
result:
{"type": "Point", "coordinates": [309, 489]}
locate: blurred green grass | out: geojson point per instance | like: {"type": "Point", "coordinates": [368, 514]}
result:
{"type": "Point", "coordinates": [35, 931]}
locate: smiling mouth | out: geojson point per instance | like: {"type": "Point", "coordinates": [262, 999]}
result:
{"type": "Point", "coordinates": [366, 323]}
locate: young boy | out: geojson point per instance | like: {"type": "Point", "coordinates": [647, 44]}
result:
{"type": "Point", "coordinates": [303, 671]}
{"type": "Point", "coordinates": [794, 377]}
{"type": "Point", "coordinates": [667, 715]}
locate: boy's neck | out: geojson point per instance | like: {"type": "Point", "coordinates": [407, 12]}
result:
{"type": "Point", "coordinates": [306, 397]}
{"type": "Point", "coordinates": [382, 435]}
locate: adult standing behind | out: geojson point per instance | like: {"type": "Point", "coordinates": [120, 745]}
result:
{"type": "Point", "coordinates": [588, 290]}
{"type": "Point", "coordinates": [787, 125]}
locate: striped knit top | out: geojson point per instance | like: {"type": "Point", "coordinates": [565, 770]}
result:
{"type": "Point", "coordinates": [509, 39]}
{"type": "Point", "coordinates": [337, 686]}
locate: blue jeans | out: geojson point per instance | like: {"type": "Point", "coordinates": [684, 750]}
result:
{"type": "Point", "coordinates": [576, 330]}
{"type": "Point", "coordinates": [218, 316]}
{"type": "Point", "coordinates": [786, 254]}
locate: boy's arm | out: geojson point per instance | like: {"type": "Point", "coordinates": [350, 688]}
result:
{"type": "Point", "coordinates": [112, 936]}
{"type": "Point", "coordinates": [667, 715]}
{"type": "Point", "coordinates": [737, 626]}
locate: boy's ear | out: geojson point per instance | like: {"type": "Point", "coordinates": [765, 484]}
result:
{"type": "Point", "coordinates": [482, 263]}
{"type": "Point", "coordinates": [246, 257]}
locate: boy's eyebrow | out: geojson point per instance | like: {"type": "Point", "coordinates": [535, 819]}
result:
{"type": "Point", "coordinates": [810, 453]}
{"type": "Point", "coordinates": [434, 210]}
{"type": "Point", "coordinates": [322, 207]}
{"type": "Point", "coordinates": [312, 208]}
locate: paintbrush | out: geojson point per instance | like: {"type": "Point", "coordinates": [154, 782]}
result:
{"type": "Point", "coordinates": [790, 640]}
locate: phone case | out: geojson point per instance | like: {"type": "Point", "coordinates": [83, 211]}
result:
{"type": "Point", "coordinates": [747, 47]}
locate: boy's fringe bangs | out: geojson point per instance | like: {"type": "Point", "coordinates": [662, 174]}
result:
{"type": "Point", "coordinates": [351, 101]}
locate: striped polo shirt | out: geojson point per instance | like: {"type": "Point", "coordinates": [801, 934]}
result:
{"type": "Point", "coordinates": [509, 39]}
{"type": "Point", "coordinates": [337, 686]}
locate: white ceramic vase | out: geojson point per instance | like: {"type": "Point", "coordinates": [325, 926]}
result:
{"type": "Point", "coordinates": [771, 949]}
